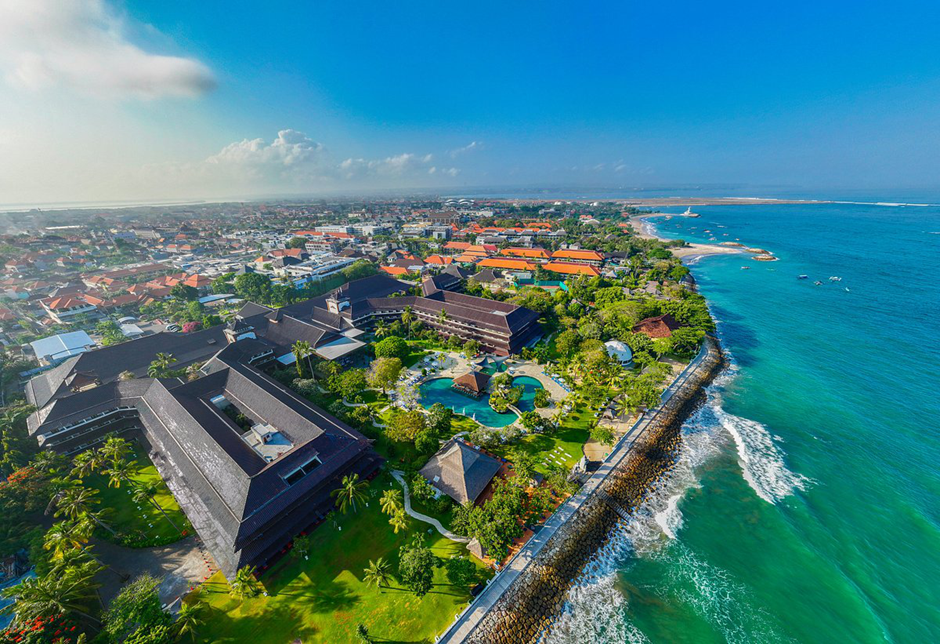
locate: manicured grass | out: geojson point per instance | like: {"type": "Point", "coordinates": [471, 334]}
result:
{"type": "Point", "coordinates": [413, 358]}
{"type": "Point", "coordinates": [570, 438]}
{"type": "Point", "coordinates": [146, 523]}
{"type": "Point", "coordinates": [323, 599]}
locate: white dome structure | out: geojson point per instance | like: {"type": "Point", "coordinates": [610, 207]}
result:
{"type": "Point", "coordinates": [619, 352]}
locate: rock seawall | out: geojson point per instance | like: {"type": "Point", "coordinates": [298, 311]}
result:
{"type": "Point", "coordinates": [535, 600]}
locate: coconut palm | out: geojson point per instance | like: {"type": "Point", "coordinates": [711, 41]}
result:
{"type": "Point", "coordinates": [119, 472]}
{"type": "Point", "coordinates": [377, 573]}
{"type": "Point", "coordinates": [442, 316]}
{"type": "Point", "coordinates": [47, 462]}
{"type": "Point", "coordinates": [399, 521]}
{"type": "Point", "coordinates": [391, 501]}
{"type": "Point", "coordinates": [622, 406]}
{"type": "Point", "coordinates": [85, 464]}
{"type": "Point", "coordinates": [189, 619]}
{"type": "Point", "coordinates": [381, 329]}
{"type": "Point", "coordinates": [407, 317]}
{"type": "Point", "coordinates": [349, 492]}
{"type": "Point", "coordinates": [63, 537]}
{"type": "Point", "coordinates": [70, 591]}
{"type": "Point", "coordinates": [301, 349]}
{"type": "Point", "coordinates": [115, 449]}
{"type": "Point", "coordinates": [145, 492]}
{"type": "Point", "coordinates": [245, 584]}
{"type": "Point", "coordinates": [160, 365]}
{"type": "Point", "coordinates": [78, 503]}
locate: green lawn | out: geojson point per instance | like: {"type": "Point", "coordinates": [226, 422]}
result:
{"type": "Point", "coordinates": [323, 599]}
{"type": "Point", "coordinates": [566, 444]}
{"type": "Point", "coordinates": [146, 524]}
{"type": "Point", "coordinates": [413, 358]}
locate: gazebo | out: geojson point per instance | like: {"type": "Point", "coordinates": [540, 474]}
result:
{"type": "Point", "coordinates": [472, 383]}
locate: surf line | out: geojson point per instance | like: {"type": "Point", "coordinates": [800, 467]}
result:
{"type": "Point", "coordinates": [528, 596]}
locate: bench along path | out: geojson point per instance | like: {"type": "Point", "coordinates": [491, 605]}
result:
{"type": "Point", "coordinates": [398, 474]}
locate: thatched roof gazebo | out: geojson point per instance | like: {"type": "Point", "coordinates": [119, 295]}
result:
{"type": "Point", "coordinates": [472, 383]}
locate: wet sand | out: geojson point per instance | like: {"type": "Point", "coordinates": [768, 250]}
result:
{"type": "Point", "coordinates": [646, 231]}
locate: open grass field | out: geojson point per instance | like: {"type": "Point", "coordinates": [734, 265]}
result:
{"type": "Point", "coordinates": [323, 599]}
{"type": "Point", "coordinates": [140, 520]}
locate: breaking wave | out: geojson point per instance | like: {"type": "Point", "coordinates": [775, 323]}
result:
{"type": "Point", "coordinates": [762, 461]}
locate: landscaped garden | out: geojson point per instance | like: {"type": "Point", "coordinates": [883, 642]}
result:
{"type": "Point", "coordinates": [326, 596]}
{"type": "Point", "coordinates": [137, 520]}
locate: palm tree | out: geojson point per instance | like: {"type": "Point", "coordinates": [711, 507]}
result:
{"type": "Point", "coordinates": [362, 633]}
{"type": "Point", "coordinates": [119, 472]}
{"type": "Point", "coordinates": [63, 537]}
{"type": "Point", "coordinates": [301, 349]}
{"type": "Point", "coordinates": [146, 492]}
{"type": "Point", "coordinates": [381, 329]}
{"type": "Point", "coordinates": [399, 521]}
{"type": "Point", "coordinates": [160, 365]}
{"type": "Point", "coordinates": [126, 375]}
{"type": "Point", "coordinates": [442, 317]}
{"type": "Point", "coordinates": [377, 573]}
{"type": "Point", "coordinates": [391, 501]}
{"type": "Point", "coordinates": [115, 449]}
{"type": "Point", "coordinates": [47, 461]}
{"type": "Point", "coordinates": [77, 503]}
{"type": "Point", "coordinates": [352, 490]}
{"type": "Point", "coordinates": [623, 406]}
{"type": "Point", "coordinates": [85, 464]}
{"type": "Point", "coordinates": [303, 545]}
{"type": "Point", "coordinates": [245, 583]}
{"type": "Point", "coordinates": [70, 591]}
{"type": "Point", "coordinates": [407, 317]}
{"type": "Point", "coordinates": [189, 619]}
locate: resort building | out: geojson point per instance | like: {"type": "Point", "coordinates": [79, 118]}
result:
{"type": "Point", "coordinates": [566, 268]}
{"type": "Point", "coordinates": [659, 327]}
{"type": "Point", "coordinates": [579, 256]}
{"type": "Point", "coordinates": [251, 464]}
{"type": "Point", "coordinates": [460, 471]}
{"type": "Point", "coordinates": [337, 318]}
{"type": "Point", "coordinates": [620, 352]}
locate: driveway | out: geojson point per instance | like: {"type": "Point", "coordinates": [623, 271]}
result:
{"type": "Point", "coordinates": [179, 566]}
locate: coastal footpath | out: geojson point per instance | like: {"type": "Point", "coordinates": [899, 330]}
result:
{"type": "Point", "coordinates": [529, 594]}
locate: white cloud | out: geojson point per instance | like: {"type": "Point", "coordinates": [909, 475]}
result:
{"type": "Point", "coordinates": [292, 162]}
{"type": "Point", "coordinates": [83, 46]}
{"type": "Point", "coordinates": [470, 147]}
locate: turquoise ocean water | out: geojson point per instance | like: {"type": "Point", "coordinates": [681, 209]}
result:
{"type": "Point", "coordinates": [806, 504]}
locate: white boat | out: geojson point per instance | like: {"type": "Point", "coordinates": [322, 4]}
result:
{"type": "Point", "coordinates": [835, 279]}
{"type": "Point", "coordinates": [688, 213]}
{"type": "Point", "coordinates": [803, 277]}
{"type": "Point", "coordinates": [745, 268]}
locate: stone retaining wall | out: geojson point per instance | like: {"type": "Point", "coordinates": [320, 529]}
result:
{"type": "Point", "coordinates": [535, 600]}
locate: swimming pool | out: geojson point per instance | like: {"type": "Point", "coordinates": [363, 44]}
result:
{"type": "Point", "coordinates": [439, 391]}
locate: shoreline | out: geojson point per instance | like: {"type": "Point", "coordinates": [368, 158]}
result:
{"type": "Point", "coordinates": [527, 596]}
{"type": "Point", "coordinates": [691, 251]}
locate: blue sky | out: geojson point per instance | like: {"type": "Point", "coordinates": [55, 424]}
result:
{"type": "Point", "coordinates": [376, 95]}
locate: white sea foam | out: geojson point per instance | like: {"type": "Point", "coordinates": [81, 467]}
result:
{"type": "Point", "coordinates": [715, 596]}
{"type": "Point", "coordinates": [761, 461]}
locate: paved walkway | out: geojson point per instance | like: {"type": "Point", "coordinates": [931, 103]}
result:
{"type": "Point", "coordinates": [423, 517]}
{"type": "Point", "coordinates": [178, 566]}
{"type": "Point", "coordinates": [477, 610]}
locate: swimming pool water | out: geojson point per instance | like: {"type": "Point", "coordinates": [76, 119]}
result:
{"type": "Point", "coordinates": [438, 391]}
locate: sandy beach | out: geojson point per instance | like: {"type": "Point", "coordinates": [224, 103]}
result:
{"type": "Point", "coordinates": [646, 231]}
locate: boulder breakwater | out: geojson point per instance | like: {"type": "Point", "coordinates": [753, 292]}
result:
{"type": "Point", "coordinates": [529, 607]}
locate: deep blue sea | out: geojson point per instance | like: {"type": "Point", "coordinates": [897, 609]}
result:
{"type": "Point", "coordinates": [806, 504]}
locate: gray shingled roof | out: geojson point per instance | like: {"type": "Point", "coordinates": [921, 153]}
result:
{"type": "Point", "coordinates": [459, 471]}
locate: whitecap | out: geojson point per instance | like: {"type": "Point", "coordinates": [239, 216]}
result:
{"type": "Point", "coordinates": [762, 462]}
